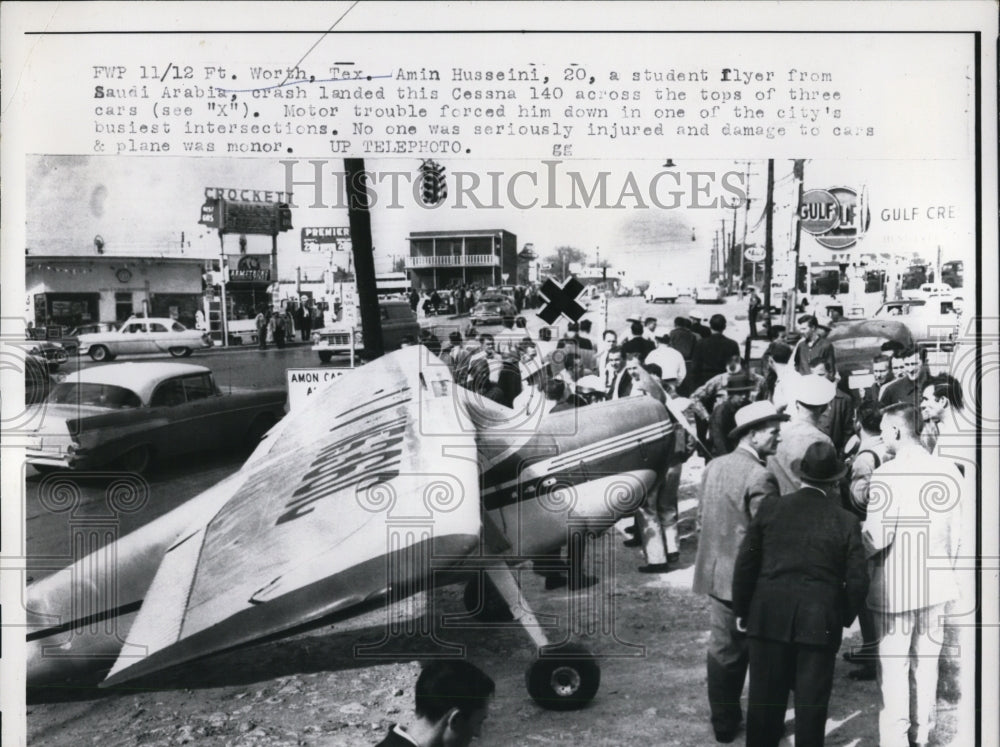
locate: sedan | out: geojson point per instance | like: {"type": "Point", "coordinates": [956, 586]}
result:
{"type": "Point", "coordinates": [144, 335]}
{"type": "Point", "coordinates": [491, 309]}
{"type": "Point", "coordinates": [130, 414]}
{"type": "Point", "coordinates": [709, 293]}
{"type": "Point", "coordinates": [857, 343]}
{"type": "Point", "coordinates": [52, 353]}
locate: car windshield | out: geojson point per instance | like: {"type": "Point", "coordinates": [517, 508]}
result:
{"type": "Point", "coordinates": [99, 395]}
{"type": "Point", "coordinates": [492, 299]}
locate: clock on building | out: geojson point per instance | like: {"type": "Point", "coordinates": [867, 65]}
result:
{"type": "Point", "coordinates": [124, 275]}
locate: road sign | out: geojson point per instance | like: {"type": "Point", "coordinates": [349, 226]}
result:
{"type": "Point", "coordinates": [303, 382]}
{"type": "Point", "coordinates": [755, 253]}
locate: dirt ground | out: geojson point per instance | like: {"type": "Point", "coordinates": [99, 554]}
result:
{"type": "Point", "coordinates": [316, 689]}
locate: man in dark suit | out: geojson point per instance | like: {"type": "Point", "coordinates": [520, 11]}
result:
{"type": "Point", "coordinates": [799, 579]}
{"type": "Point", "coordinates": [682, 339]}
{"type": "Point", "coordinates": [711, 354]}
{"type": "Point", "coordinates": [732, 488]}
{"type": "Point", "coordinates": [618, 380]}
{"type": "Point", "coordinates": [452, 702]}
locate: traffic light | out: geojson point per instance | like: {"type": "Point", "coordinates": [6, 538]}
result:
{"type": "Point", "coordinates": [433, 187]}
{"type": "Point", "coordinates": [284, 217]}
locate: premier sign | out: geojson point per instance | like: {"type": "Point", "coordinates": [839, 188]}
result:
{"type": "Point", "coordinates": [337, 238]}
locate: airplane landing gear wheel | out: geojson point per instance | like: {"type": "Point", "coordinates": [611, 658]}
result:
{"type": "Point", "coordinates": [566, 681]}
{"type": "Point", "coordinates": [485, 601]}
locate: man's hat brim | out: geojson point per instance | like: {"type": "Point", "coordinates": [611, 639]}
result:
{"type": "Point", "coordinates": [739, 430]}
{"type": "Point", "coordinates": [835, 477]}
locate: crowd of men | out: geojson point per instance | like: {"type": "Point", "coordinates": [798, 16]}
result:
{"type": "Point", "coordinates": [805, 512]}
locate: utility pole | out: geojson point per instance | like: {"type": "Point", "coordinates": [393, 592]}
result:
{"type": "Point", "coordinates": [768, 235]}
{"type": "Point", "coordinates": [746, 218]}
{"type": "Point", "coordinates": [799, 171]}
{"type": "Point", "coordinates": [723, 259]}
{"type": "Point", "coordinates": [732, 256]}
{"type": "Point", "coordinates": [223, 272]}
{"type": "Point", "coordinates": [715, 257]}
{"type": "Point", "coordinates": [364, 259]}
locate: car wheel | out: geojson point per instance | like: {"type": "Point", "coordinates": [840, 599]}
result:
{"type": "Point", "coordinates": [180, 352]}
{"type": "Point", "coordinates": [137, 460]}
{"type": "Point", "coordinates": [325, 356]}
{"type": "Point", "coordinates": [99, 353]}
{"type": "Point", "coordinates": [258, 428]}
{"type": "Point", "coordinates": [61, 356]}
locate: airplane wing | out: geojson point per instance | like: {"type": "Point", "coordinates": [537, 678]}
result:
{"type": "Point", "coordinates": [345, 502]}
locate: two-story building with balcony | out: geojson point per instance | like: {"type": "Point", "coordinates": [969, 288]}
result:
{"type": "Point", "coordinates": [444, 259]}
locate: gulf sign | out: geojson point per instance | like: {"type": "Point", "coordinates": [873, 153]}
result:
{"type": "Point", "coordinates": [834, 216]}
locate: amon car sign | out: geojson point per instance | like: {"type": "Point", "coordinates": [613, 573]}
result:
{"type": "Point", "coordinates": [833, 216]}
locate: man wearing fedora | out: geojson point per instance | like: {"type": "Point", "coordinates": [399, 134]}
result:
{"type": "Point", "coordinates": [810, 398]}
{"type": "Point", "coordinates": [732, 488]}
{"type": "Point", "coordinates": [799, 579]}
{"type": "Point", "coordinates": [739, 388]}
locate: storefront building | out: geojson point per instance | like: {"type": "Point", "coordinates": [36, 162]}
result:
{"type": "Point", "coordinates": [75, 291]}
{"type": "Point", "coordinates": [445, 259]}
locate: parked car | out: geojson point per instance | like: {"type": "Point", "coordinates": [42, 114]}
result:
{"type": "Point", "coordinates": [929, 290]}
{"type": "Point", "coordinates": [931, 321]}
{"type": "Point", "coordinates": [144, 335]}
{"type": "Point", "coordinates": [38, 382]}
{"type": "Point", "coordinates": [665, 292]}
{"type": "Point", "coordinates": [398, 322]}
{"type": "Point", "coordinates": [130, 414]}
{"type": "Point", "coordinates": [492, 308]}
{"type": "Point", "coordinates": [709, 293]}
{"type": "Point", "coordinates": [52, 353]}
{"type": "Point", "coordinates": [57, 333]}
{"type": "Point", "coordinates": [857, 343]}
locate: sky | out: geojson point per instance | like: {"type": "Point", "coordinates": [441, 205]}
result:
{"type": "Point", "coordinates": [655, 223]}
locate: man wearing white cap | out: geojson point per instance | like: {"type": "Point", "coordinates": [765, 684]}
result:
{"type": "Point", "coordinates": [811, 396]}
{"type": "Point", "coordinates": [732, 488]}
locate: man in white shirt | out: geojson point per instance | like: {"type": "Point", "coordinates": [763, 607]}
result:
{"type": "Point", "coordinates": [786, 377]}
{"type": "Point", "coordinates": [913, 535]}
{"type": "Point", "coordinates": [670, 361]}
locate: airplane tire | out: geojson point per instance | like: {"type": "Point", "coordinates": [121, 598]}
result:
{"type": "Point", "coordinates": [492, 608]}
{"type": "Point", "coordinates": [564, 684]}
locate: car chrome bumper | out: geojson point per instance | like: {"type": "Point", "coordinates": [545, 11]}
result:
{"type": "Point", "coordinates": [48, 459]}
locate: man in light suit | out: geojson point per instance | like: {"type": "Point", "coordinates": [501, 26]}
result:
{"type": "Point", "coordinates": [732, 488]}
{"type": "Point", "coordinates": [913, 533]}
{"type": "Point", "coordinates": [452, 702]}
{"type": "Point", "coordinates": [799, 579]}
